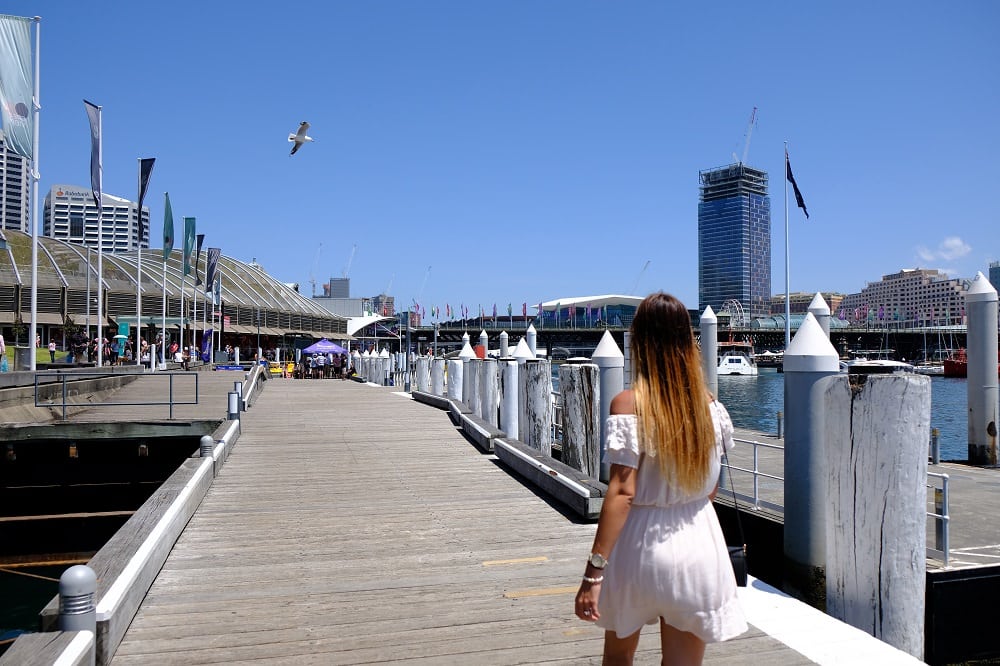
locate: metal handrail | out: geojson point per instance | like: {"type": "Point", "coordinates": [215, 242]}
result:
{"type": "Point", "coordinates": [941, 514]}
{"type": "Point", "coordinates": [63, 378]}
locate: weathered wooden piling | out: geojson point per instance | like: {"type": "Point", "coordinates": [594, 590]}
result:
{"type": "Point", "coordinates": [466, 356]}
{"type": "Point", "coordinates": [522, 354]}
{"type": "Point", "coordinates": [579, 383]}
{"type": "Point", "coordinates": [474, 399]}
{"type": "Point", "coordinates": [809, 358]}
{"type": "Point", "coordinates": [423, 374]}
{"type": "Point", "coordinates": [537, 381]}
{"type": "Point", "coordinates": [981, 382]}
{"type": "Point", "coordinates": [611, 364]}
{"type": "Point", "coordinates": [437, 376]}
{"type": "Point", "coordinates": [455, 367]}
{"type": "Point", "coordinates": [819, 309]}
{"type": "Point", "coordinates": [876, 529]}
{"type": "Point", "coordinates": [489, 391]}
{"type": "Point", "coordinates": [509, 396]}
{"type": "Point", "coordinates": [709, 325]}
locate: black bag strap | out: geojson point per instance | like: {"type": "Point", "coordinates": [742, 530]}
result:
{"type": "Point", "coordinates": [732, 487]}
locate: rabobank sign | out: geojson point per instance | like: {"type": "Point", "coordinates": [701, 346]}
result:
{"type": "Point", "coordinates": [71, 192]}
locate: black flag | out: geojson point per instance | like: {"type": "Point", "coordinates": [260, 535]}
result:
{"type": "Point", "coordinates": [211, 262]}
{"type": "Point", "coordinates": [197, 256]}
{"type": "Point", "coordinates": [795, 187]}
{"type": "Point", "coordinates": [145, 171]}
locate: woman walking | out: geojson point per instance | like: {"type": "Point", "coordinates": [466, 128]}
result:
{"type": "Point", "coordinates": [659, 553]}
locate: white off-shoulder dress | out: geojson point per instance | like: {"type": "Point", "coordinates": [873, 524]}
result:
{"type": "Point", "coordinates": [670, 559]}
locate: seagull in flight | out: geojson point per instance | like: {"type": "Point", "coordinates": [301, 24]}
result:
{"type": "Point", "coordinates": [299, 137]}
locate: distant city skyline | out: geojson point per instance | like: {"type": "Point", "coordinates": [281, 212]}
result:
{"type": "Point", "coordinates": [528, 152]}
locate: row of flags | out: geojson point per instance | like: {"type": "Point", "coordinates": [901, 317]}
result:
{"type": "Point", "coordinates": [868, 313]}
{"type": "Point", "coordinates": [191, 249]}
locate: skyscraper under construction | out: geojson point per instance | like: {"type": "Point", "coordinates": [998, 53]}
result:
{"type": "Point", "coordinates": [734, 239]}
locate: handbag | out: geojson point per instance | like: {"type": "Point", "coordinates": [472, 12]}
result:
{"type": "Point", "coordinates": [737, 554]}
{"type": "Point", "coordinates": [3, 364]}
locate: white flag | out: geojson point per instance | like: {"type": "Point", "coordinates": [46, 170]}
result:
{"type": "Point", "coordinates": [16, 83]}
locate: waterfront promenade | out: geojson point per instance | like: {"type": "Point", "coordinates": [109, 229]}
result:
{"type": "Point", "coordinates": [354, 525]}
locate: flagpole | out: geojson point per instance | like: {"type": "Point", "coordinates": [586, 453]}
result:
{"type": "Point", "coordinates": [100, 238]}
{"type": "Point", "coordinates": [137, 353]}
{"type": "Point", "coordinates": [788, 305]}
{"type": "Point", "coordinates": [163, 328]}
{"type": "Point", "coordinates": [35, 177]}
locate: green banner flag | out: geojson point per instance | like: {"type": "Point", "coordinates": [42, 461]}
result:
{"type": "Point", "coordinates": [168, 228]}
{"type": "Point", "coordinates": [188, 244]}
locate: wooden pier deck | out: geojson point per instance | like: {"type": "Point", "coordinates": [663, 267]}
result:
{"type": "Point", "coordinates": [353, 525]}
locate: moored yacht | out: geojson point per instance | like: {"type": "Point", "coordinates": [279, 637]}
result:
{"type": "Point", "coordinates": [735, 360]}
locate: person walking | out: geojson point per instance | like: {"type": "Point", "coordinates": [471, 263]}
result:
{"type": "Point", "coordinates": [52, 351]}
{"type": "Point", "coordinates": [659, 554]}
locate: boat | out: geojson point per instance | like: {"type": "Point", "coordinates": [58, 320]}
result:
{"type": "Point", "coordinates": [736, 358]}
{"type": "Point", "coordinates": [879, 366]}
{"type": "Point", "coordinates": [929, 368]}
{"type": "Point", "coordinates": [957, 365]}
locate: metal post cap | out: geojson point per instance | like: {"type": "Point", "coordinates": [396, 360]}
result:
{"type": "Point", "coordinates": [78, 580]}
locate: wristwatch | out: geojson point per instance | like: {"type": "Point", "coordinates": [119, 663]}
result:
{"type": "Point", "coordinates": [597, 561]}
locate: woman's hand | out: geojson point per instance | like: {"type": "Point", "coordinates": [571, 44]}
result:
{"type": "Point", "coordinates": [586, 601]}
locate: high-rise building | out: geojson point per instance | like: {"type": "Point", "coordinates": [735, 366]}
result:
{"type": "Point", "coordinates": [995, 274]}
{"type": "Point", "coordinates": [734, 239]}
{"type": "Point", "coordinates": [15, 190]}
{"type": "Point", "coordinates": [337, 288]}
{"type": "Point", "coordinates": [71, 215]}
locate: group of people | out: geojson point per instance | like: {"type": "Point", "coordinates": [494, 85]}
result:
{"type": "Point", "coordinates": [323, 366]}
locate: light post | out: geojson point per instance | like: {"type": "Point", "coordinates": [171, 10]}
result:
{"type": "Point", "coordinates": [258, 336]}
{"type": "Point", "coordinates": [406, 353]}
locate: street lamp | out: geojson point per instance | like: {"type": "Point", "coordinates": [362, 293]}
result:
{"type": "Point", "coordinates": [258, 336]}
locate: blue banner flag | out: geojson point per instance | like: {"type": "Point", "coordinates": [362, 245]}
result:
{"type": "Point", "coordinates": [96, 167]}
{"type": "Point", "coordinates": [189, 234]}
{"type": "Point", "coordinates": [168, 227]}
{"type": "Point", "coordinates": [16, 84]}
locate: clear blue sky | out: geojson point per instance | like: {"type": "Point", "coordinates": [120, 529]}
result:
{"type": "Point", "coordinates": [527, 151]}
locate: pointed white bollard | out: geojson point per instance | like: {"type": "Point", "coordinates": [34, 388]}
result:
{"type": "Point", "coordinates": [981, 382]}
{"type": "Point", "coordinates": [437, 376]}
{"type": "Point", "coordinates": [484, 342]}
{"type": "Point", "coordinates": [466, 356]}
{"type": "Point", "coordinates": [611, 362]}
{"type": "Point", "coordinates": [710, 349]}
{"type": "Point", "coordinates": [504, 347]}
{"type": "Point", "coordinates": [385, 367]}
{"type": "Point", "coordinates": [579, 384]}
{"type": "Point", "coordinates": [819, 308]}
{"type": "Point", "coordinates": [489, 391]}
{"type": "Point", "coordinates": [465, 339]}
{"type": "Point", "coordinates": [531, 335]}
{"type": "Point", "coordinates": [809, 358]}
{"type": "Point", "coordinates": [509, 398]}
{"type": "Point", "coordinates": [875, 437]}
{"type": "Point", "coordinates": [538, 412]}
{"type": "Point", "coordinates": [522, 354]}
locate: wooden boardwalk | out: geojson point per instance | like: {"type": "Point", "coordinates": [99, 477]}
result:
{"type": "Point", "coordinates": [352, 525]}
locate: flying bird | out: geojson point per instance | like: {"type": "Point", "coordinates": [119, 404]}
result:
{"type": "Point", "coordinates": [299, 137]}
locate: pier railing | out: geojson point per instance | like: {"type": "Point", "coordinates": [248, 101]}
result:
{"type": "Point", "coordinates": [53, 390]}
{"type": "Point", "coordinates": [938, 483]}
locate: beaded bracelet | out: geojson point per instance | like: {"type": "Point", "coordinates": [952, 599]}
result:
{"type": "Point", "coordinates": [588, 579]}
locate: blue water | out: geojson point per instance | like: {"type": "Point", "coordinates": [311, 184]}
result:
{"type": "Point", "coordinates": [753, 403]}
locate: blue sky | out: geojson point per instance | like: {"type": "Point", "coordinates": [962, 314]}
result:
{"type": "Point", "coordinates": [495, 152]}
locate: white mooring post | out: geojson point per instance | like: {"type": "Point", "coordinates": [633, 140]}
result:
{"type": "Point", "coordinates": [531, 336]}
{"type": "Point", "coordinates": [709, 326]}
{"type": "Point", "coordinates": [437, 377]}
{"type": "Point", "coordinates": [466, 356]}
{"type": "Point", "coordinates": [538, 408]}
{"type": "Point", "coordinates": [821, 311]}
{"type": "Point", "coordinates": [455, 380]}
{"type": "Point", "coordinates": [509, 396]}
{"type": "Point", "coordinates": [809, 358]}
{"type": "Point", "coordinates": [982, 383]}
{"type": "Point", "coordinates": [504, 344]}
{"type": "Point", "coordinates": [489, 391]}
{"type": "Point", "coordinates": [522, 354]}
{"type": "Point", "coordinates": [484, 340]}
{"type": "Point", "coordinates": [611, 362]}
{"type": "Point", "coordinates": [579, 383]}
{"type": "Point", "coordinates": [474, 373]}
{"type": "Point", "coordinates": [875, 437]}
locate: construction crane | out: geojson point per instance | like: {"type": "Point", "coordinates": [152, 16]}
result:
{"type": "Point", "coordinates": [423, 284]}
{"type": "Point", "coordinates": [639, 277]}
{"type": "Point", "coordinates": [746, 137]}
{"type": "Point", "coordinates": [312, 274]}
{"type": "Point", "coordinates": [349, 260]}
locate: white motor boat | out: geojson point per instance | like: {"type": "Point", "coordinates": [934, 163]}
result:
{"type": "Point", "coordinates": [736, 363]}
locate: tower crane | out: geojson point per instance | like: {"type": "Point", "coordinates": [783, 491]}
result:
{"type": "Point", "coordinates": [350, 259]}
{"type": "Point", "coordinates": [639, 277]}
{"type": "Point", "coordinates": [312, 274]}
{"type": "Point", "coordinates": [746, 137]}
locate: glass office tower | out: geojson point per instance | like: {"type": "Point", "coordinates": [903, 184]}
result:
{"type": "Point", "coordinates": [734, 239]}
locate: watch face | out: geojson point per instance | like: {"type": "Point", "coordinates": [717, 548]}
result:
{"type": "Point", "coordinates": [598, 560]}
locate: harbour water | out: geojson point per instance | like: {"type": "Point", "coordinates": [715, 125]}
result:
{"type": "Point", "coordinates": [754, 402]}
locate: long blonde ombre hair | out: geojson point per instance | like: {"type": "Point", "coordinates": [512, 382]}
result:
{"type": "Point", "coordinates": [671, 399]}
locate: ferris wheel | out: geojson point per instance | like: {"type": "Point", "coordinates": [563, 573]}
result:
{"type": "Point", "coordinates": [737, 315]}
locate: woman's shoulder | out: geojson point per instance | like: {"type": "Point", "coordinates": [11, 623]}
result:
{"type": "Point", "coordinates": [623, 404]}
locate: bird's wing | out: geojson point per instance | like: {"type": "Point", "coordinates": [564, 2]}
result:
{"type": "Point", "coordinates": [295, 147]}
{"type": "Point", "coordinates": [303, 128]}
